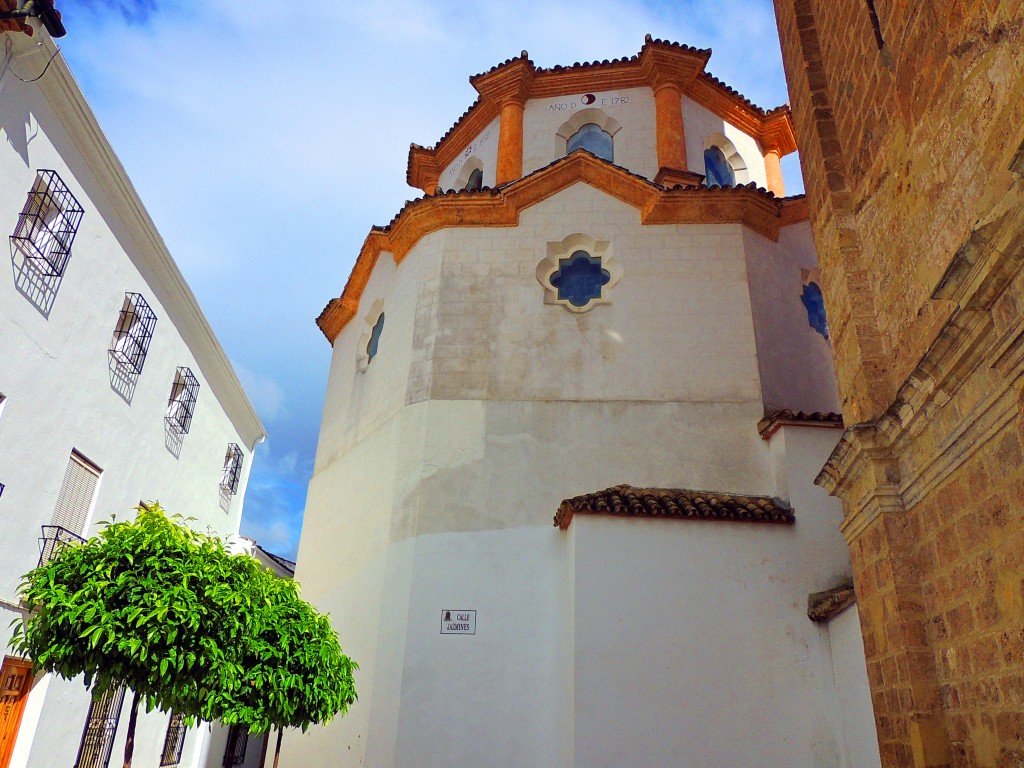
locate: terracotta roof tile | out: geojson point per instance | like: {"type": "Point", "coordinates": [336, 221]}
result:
{"type": "Point", "coordinates": [824, 606]}
{"type": "Point", "coordinates": [596, 66]}
{"type": "Point", "coordinates": [495, 191]}
{"type": "Point", "coordinates": [675, 504]}
{"type": "Point", "coordinates": [770, 424]}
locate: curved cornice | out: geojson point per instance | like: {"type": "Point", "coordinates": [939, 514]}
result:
{"type": "Point", "coordinates": [659, 62]}
{"type": "Point", "coordinates": [753, 207]}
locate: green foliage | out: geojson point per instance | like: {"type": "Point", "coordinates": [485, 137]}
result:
{"type": "Point", "coordinates": [168, 612]}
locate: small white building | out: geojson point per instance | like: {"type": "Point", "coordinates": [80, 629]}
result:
{"type": "Point", "coordinates": [611, 339]}
{"type": "Point", "coordinates": [113, 389]}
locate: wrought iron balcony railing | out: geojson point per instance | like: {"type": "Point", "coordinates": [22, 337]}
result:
{"type": "Point", "coordinates": [53, 540]}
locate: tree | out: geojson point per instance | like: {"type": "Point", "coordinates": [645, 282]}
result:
{"type": "Point", "coordinates": [167, 612]}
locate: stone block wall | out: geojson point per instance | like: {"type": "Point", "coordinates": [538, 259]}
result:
{"type": "Point", "coordinates": [910, 118]}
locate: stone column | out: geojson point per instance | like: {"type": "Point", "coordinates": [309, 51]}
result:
{"type": "Point", "coordinates": [510, 142]}
{"type": "Point", "coordinates": [773, 172]}
{"type": "Point", "coordinates": [671, 138]}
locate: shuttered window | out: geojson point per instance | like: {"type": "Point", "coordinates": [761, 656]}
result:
{"type": "Point", "coordinates": [76, 494]}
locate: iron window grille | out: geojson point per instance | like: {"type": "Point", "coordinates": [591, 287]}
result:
{"type": "Point", "coordinates": [100, 727]}
{"type": "Point", "coordinates": [133, 332]}
{"type": "Point", "coordinates": [182, 402]}
{"type": "Point", "coordinates": [240, 737]}
{"type": "Point", "coordinates": [48, 223]}
{"type": "Point", "coordinates": [232, 469]}
{"type": "Point", "coordinates": [174, 741]}
{"type": "Point", "coordinates": [54, 540]}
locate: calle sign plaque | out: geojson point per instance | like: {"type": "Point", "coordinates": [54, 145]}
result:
{"type": "Point", "coordinates": [458, 622]}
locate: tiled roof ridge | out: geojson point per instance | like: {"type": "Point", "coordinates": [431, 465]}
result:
{"type": "Point", "coordinates": [490, 206]}
{"type": "Point", "coordinates": [523, 56]}
{"type": "Point", "coordinates": [736, 94]}
{"type": "Point", "coordinates": [455, 125]}
{"type": "Point", "coordinates": [494, 191]}
{"type": "Point", "coordinates": [772, 421]}
{"type": "Point", "coordinates": [675, 503]}
{"type": "Point", "coordinates": [597, 64]}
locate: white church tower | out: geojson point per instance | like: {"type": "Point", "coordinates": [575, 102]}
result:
{"type": "Point", "coordinates": [603, 313]}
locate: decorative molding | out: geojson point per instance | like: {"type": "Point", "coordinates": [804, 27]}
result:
{"type": "Point", "coordinates": [822, 607]}
{"type": "Point", "coordinates": [563, 249]}
{"type": "Point", "coordinates": [863, 468]}
{"type": "Point", "coordinates": [754, 208]}
{"type": "Point", "coordinates": [658, 62]}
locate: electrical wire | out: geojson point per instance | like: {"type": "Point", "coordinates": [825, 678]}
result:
{"type": "Point", "coordinates": [39, 76]}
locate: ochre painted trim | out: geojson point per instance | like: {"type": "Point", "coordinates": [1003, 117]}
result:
{"type": "Point", "coordinates": [658, 62]}
{"type": "Point", "coordinates": [755, 208]}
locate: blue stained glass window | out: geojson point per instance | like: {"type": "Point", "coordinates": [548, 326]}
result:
{"type": "Point", "coordinates": [580, 278]}
{"type": "Point", "coordinates": [815, 304]}
{"type": "Point", "coordinates": [717, 170]}
{"type": "Point", "coordinates": [371, 347]}
{"type": "Point", "coordinates": [594, 139]}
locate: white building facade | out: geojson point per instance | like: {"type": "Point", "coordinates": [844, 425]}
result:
{"type": "Point", "coordinates": [606, 339]}
{"type": "Point", "coordinates": [113, 389]}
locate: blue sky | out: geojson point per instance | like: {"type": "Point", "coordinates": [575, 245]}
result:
{"type": "Point", "coordinates": [266, 138]}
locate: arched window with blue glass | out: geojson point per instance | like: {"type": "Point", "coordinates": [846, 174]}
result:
{"type": "Point", "coordinates": [718, 172]}
{"type": "Point", "coordinates": [594, 139]}
{"type": "Point", "coordinates": [580, 279]}
{"type": "Point", "coordinates": [814, 302]}
{"type": "Point", "coordinates": [374, 342]}
{"type": "Point", "coordinates": [476, 180]}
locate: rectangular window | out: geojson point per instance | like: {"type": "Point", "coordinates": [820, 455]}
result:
{"type": "Point", "coordinates": [74, 504]}
{"type": "Point", "coordinates": [48, 223]}
{"type": "Point", "coordinates": [173, 741]}
{"type": "Point", "coordinates": [100, 728]}
{"type": "Point", "coordinates": [238, 739]}
{"type": "Point", "coordinates": [133, 332]}
{"type": "Point", "coordinates": [232, 469]}
{"type": "Point", "coordinates": [182, 402]}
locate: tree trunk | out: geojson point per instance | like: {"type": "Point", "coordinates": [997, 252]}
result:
{"type": "Point", "coordinates": [277, 750]}
{"type": "Point", "coordinates": [129, 742]}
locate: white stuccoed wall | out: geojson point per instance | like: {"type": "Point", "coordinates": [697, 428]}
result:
{"type": "Point", "coordinates": [484, 148]}
{"type": "Point", "coordinates": [699, 123]}
{"type": "Point", "coordinates": [632, 108]}
{"type": "Point", "coordinates": [847, 646]}
{"type": "Point", "coordinates": [794, 360]}
{"type": "Point", "coordinates": [55, 374]}
{"type": "Point", "coordinates": [440, 466]}
{"type": "Point", "coordinates": [692, 642]}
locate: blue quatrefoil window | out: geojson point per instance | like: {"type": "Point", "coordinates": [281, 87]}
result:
{"type": "Point", "coordinates": [580, 278]}
{"type": "Point", "coordinates": [815, 304]}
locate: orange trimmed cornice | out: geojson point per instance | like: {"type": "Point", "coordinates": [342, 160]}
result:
{"type": "Point", "coordinates": [750, 206]}
{"type": "Point", "coordinates": [658, 63]}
